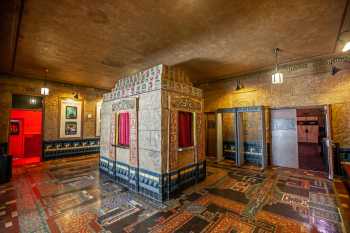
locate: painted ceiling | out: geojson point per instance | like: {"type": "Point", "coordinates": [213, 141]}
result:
{"type": "Point", "coordinates": [94, 43]}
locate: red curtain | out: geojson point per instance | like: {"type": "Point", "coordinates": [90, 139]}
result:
{"type": "Point", "coordinates": [123, 129]}
{"type": "Point", "coordinates": [185, 129]}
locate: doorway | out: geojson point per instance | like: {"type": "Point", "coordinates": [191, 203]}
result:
{"type": "Point", "coordinates": [210, 121]}
{"type": "Point", "coordinates": [301, 138]}
{"type": "Point", "coordinates": [311, 130]}
{"type": "Point", "coordinates": [25, 130]}
{"type": "Point", "coordinates": [241, 136]}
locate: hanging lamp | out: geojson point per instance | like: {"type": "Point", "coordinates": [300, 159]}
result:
{"type": "Point", "coordinates": [277, 77]}
{"type": "Point", "coordinates": [45, 90]}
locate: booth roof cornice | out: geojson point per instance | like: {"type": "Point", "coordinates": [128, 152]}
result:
{"type": "Point", "coordinates": [152, 79]}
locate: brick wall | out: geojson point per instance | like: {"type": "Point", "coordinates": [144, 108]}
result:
{"type": "Point", "coordinates": [15, 85]}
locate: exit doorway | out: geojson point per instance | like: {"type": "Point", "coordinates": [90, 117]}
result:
{"type": "Point", "coordinates": [25, 130]}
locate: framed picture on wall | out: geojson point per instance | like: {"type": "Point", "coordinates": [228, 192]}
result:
{"type": "Point", "coordinates": [71, 112]}
{"type": "Point", "coordinates": [71, 128]}
{"type": "Point", "coordinates": [98, 118]}
{"type": "Point", "coordinates": [70, 118]}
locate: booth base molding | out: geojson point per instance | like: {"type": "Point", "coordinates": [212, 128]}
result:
{"type": "Point", "coordinates": [158, 187]}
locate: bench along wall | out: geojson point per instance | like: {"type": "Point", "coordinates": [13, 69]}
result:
{"type": "Point", "coordinates": [153, 164]}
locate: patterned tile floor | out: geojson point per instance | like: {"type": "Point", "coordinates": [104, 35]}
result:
{"type": "Point", "coordinates": [72, 196]}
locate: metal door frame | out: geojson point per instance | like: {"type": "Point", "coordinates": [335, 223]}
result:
{"type": "Point", "coordinates": [239, 148]}
{"type": "Point", "coordinates": [329, 141]}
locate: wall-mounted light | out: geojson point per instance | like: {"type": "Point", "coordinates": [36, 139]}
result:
{"type": "Point", "coordinates": [346, 47]}
{"type": "Point", "coordinates": [32, 101]}
{"type": "Point", "coordinates": [239, 86]}
{"type": "Point", "coordinates": [277, 77]}
{"type": "Point", "coordinates": [76, 95]}
{"type": "Point", "coordinates": [45, 90]}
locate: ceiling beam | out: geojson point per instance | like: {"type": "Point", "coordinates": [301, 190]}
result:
{"type": "Point", "coordinates": [18, 31]}
{"type": "Point", "coordinates": [9, 13]}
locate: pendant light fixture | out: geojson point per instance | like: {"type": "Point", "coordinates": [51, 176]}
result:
{"type": "Point", "coordinates": [45, 90]}
{"type": "Point", "coordinates": [277, 77]}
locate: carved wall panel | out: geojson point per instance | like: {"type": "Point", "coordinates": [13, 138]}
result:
{"type": "Point", "coordinates": [173, 144]}
{"type": "Point", "coordinates": [187, 104]}
{"type": "Point", "coordinates": [200, 136]}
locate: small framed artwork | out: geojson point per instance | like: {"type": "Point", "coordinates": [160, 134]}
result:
{"type": "Point", "coordinates": [71, 128]}
{"type": "Point", "coordinates": [71, 112]}
{"type": "Point", "coordinates": [70, 118]}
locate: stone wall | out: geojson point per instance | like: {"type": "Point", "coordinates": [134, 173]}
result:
{"type": "Point", "coordinates": [150, 131]}
{"type": "Point", "coordinates": [15, 85]}
{"type": "Point", "coordinates": [305, 84]}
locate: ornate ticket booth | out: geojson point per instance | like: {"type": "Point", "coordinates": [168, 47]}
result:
{"type": "Point", "coordinates": [152, 133]}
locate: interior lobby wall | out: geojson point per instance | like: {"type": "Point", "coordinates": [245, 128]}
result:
{"type": "Point", "coordinates": [16, 85]}
{"type": "Point", "coordinates": [305, 84]}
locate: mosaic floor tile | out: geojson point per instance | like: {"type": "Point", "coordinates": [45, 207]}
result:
{"type": "Point", "coordinates": [71, 195]}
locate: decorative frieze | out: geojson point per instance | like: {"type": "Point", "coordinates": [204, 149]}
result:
{"type": "Point", "coordinates": [316, 65]}
{"type": "Point", "coordinates": [149, 80]}
{"type": "Point", "coordinates": [156, 186]}
{"type": "Point", "coordinates": [141, 78]}
{"type": "Point", "coordinates": [186, 104]}
{"type": "Point", "coordinates": [124, 104]}
{"type": "Point", "coordinates": [297, 67]}
{"type": "Point", "coordinates": [334, 60]}
{"type": "Point", "coordinates": [181, 88]}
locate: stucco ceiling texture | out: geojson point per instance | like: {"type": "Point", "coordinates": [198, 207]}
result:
{"type": "Point", "coordinates": [94, 43]}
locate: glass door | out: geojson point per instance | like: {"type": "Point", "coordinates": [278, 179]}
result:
{"type": "Point", "coordinates": [229, 133]}
{"type": "Point", "coordinates": [251, 129]}
{"type": "Point", "coordinates": [242, 137]}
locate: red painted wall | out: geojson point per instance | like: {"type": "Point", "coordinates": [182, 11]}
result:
{"type": "Point", "coordinates": [28, 142]}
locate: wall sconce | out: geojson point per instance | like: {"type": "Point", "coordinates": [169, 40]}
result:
{"type": "Point", "coordinates": [239, 86]}
{"type": "Point", "coordinates": [75, 95]}
{"type": "Point", "coordinates": [32, 101]}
